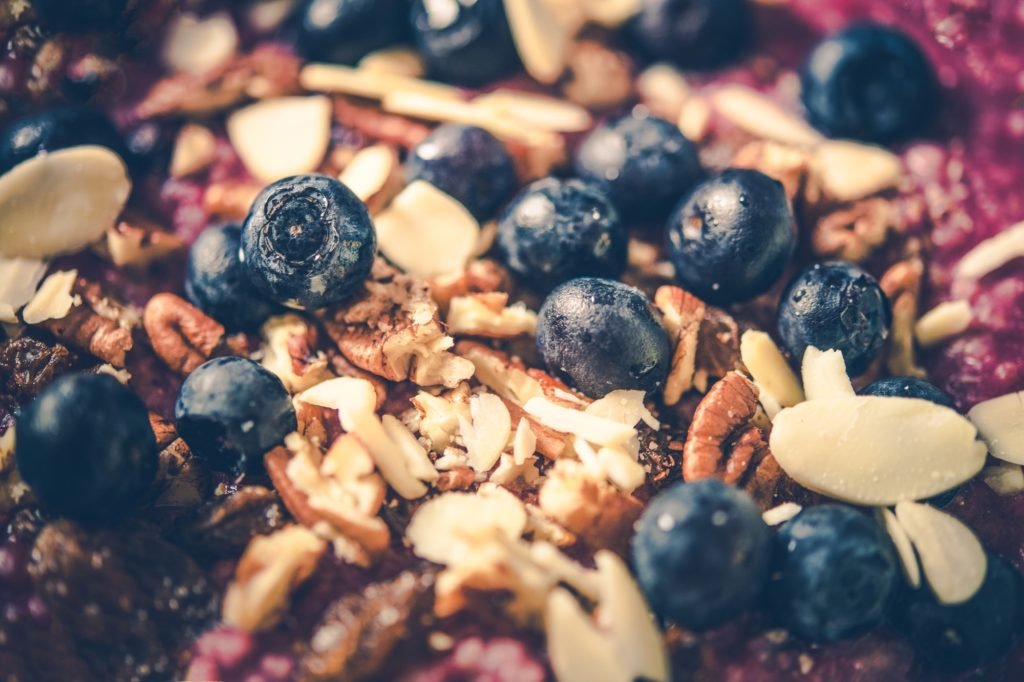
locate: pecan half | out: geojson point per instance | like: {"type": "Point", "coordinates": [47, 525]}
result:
{"type": "Point", "coordinates": [600, 77]}
{"type": "Point", "coordinates": [902, 284]}
{"type": "Point", "coordinates": [854, 231]}
{"type": "Point", "coordinates": [28, 365]}
{"type": "Point", "coordinates": [183, 336]}
{"type": "Point", "coordinates": [100, 326]}
{"type": "Point", "coordinates": [378, 125]}
{"type": "Point", "coordinates": [683, 315]}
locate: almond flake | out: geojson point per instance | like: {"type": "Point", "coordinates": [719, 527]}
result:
{"type": "Point", "coordinates": [539, 111]}
{"type": "Point", "coordinates": [625, 407]}
{"type": "Point", "coordinates": [616, 464]}
{"type": "Point", "coordinates": [524, 444]}
{"type": "Point", "coordinates": [695, 118]}
{"type": "Point", "coordinates": [824, 374]}
{"type": "Point", "coordinates": [53, 300]}
{"type": "Point", "coordinates": [398, 61]}
{"type": "Point", "coordinates": [416, 459]}
{"type": "Point", "coordinates": [369, 83]}
{"type": "Point", "coordinates": [542, 39]}
{"type": "Point", "coordinates": [276, 138]}
{"type": "Point", "coordinates": [612, 13]}
{"type": "Point", "coordinates": [778, 515]}
{"type": "Point", "coordinates": [487, 434]}
{"type": "Point", "coordinates": [475, 315]}
{"type": "Point", "coordinates": [1004, 478]}
{"type": "Point", "coordinates": [194, 150]}
{"type": "Point", "coordinates": [507, 379]}
{"type": "Point", "coordinates": [577, 649]}
{"type": "Point", "coordinates": [769, 368]}
{"type": "Point", "coordinates": [942, 322]}
{"type": "Point", "coordinates": [374, 174]}
{"type": "Point", "coordinates": [952, 558]}
{"type": "Point", "coordinates": [281, 335]}
{"type": "Point", "coordinates": [59, 202]}
{"type": "Point", "coordinates": [597, 430]}
{"type": "Point", "coordinates": [195, 45]}
{"type": "Point", "coordinates": [19, 278]}
{"type": "Point", "coordinates": [756, 114]}
{"type": "Point", "coordinates": [445, 527]}
{"type": "Point", "coordinates": [664, 90]}
{"type": "Point", "coordinates": [992, 254]}
{"type": "Point", "coordinates": [874, 450]}
{"type": "Point", "coordinates": [426, 232]}
{"type": "Point", "coordinates": [1001, 423]}
{"type": "Point", "coordinates": [904, 548]}
{"type": "Point", "coordinates": [848, 171]}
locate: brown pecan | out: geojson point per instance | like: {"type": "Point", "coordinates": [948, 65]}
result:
{"type": "Point", "coordinates": [28, 365]}
{"type": "Point", "coordinates": [137, 241]}
{"type": "Point", "coordinates": [100, 325]}
{"type": "Point", "coordinates": [788, 165]}
{"type": "Point", "coordinates": [683, 315]}
{"type": "Point", "coordinates": [457, 478]}
{"type": "Point", "coordinates": [224, 526]}
{"type": "Point", "coordinates": [297, 502]}
{"type": "Point", "coordinates": [718, 346]}
{"type": "Point", "coordinates": [163, 429]}
{"type": "Point", "coordinates": [479, 276]}
{"type": "Point", "coordinates": [902, 284]}
{"type": "Point", "coordinates": [853, 231]}
{"type": "Point", "coordinates": [182, 335]}
{"type": "Point", "coordinates": [599, 77]}
{"type": "Point", "coordinates": [378, 125]}
{"type": "Point", "coordinates": [230, 199]}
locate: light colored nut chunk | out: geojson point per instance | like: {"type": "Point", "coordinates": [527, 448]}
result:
{"type": "Point", "coordinates": [848, 171]}
{"type": "Point", "coordinates": [904, 547]}
{"type": "Point", "coordinates": [490, 315]}
{"type": "Point", "coordinates": [992, 254]}
{"type": "Point", "coordinates": [756, 114]}
{"type": "Point", "coordinates": [942, 322]}
{"type": "Point", "coordinates": [276, 138]}
{"type": "Point", "coordinates": [824, 374]}
{"type": "Point", "coordinates": [1001, 423]}
{"type": "Point", "coordinates": [54, 299]}
{"type": "Point", "coordinates": [952, 558]}
{"type": "Point", "coordinates": [769, 368]}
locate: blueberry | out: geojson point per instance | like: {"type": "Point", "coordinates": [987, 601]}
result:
{"type": "Point", "coordinates": [869, 82]}
{"type": "Point", "coordinates": [344, 31]}
{"type": "Point", "coordinates": [701, 553]}
{"type": "Point", "coordinates": [732, 236]}
{"type": "Point", "coordinates": [956, 637]}
{"type": "Point", "coordinates": [464, 41]}
{"type": "Point", "coordinates": [79, 15]}
{"type": "Point", "coordinates": [467, 163]}
{"type": "Point", "coordinates": [603, 335]}
{"type": "Point", "coordinates": [909, 387]}
{"type": "Point", "coordinates": [835, 573]}
{"type": "Point", "coordinates": [308, 241]}
{"type": "Point", "coordinates": [694, 34]}
{"type": "Point", "coordinates": [217, 283]}
{"type": "Point", "coordinates": [86, 447]}
{"type": "Point", "coordinates": [53, 129]}
{"type": "Point", "coordinates": [231, 411]}
{"type": "Point", "coordinates": [835, 306]}
{"type": "Point", "coordinates": [644, 164]}
{"type": "Point", "coordinates": [555, 230]}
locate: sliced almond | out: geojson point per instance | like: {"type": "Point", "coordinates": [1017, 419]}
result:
{"type": "Point", "coordinates": [904, 548]}
{"type": "Point", "coordinates": [769, 368]}
{"type": "Point", "coordinates": [487, 433]}
{"type": "Point", "coordinates": [952, 558]}
{"type": "Point", "coordinates": [620, 467]}
{"type": "Point", "coordinates": [695, 118]}
{"type": "Point", "coordinates": [524, 443]}
{"type": "Point", "coordinates": [196, 45]}
{"type": "Point", "coordinates": [756, 114]}
{"type": "Point", "coordinates": [824, 374]}
{"type": "Point", "coordinates": [597, 430]}
{"type": "Point", "coordinates": [375, 175]}
{"type": "Point", "coordinates": [280, 137]}
{"type": "Point", "coordinates": [541, 38]}
{"type": "Point", "coordinates": [19, 278]}
{"type": "Point", "coordinates": [444, 526]}
{"type": "Point", "coordinates": [1004, 478]}
{"type": "Point", "coordinates": [397, 61]}
{"type": "Point", "coordinates": [416, 460]}
{"type": "Point", "coordinates": [942, 322]}
{"type": "Point", "coordinates": [53, 300]}
{"type": "Point", "coordinates": [848, 171]}
{"type": "Point", "coordinates": [539, 111]}
{"type": "Point", "coordinates": [612, 13]}
{"type": "Point", "coordinates": [1001, 423]}
{"type": "Point", "coordinates": [426, 232]}
{"type": "Point", "coordinates": [625, 407]}
{"type": "Point", "coordinates": [778, 515]}
{"type": "Point", "coordinates": [369, 83]}
{"type": "Point", "coordinates": [992, 254]}
{"type": "Point", "coordinates": [194, 150]}
{"type": "Point", "coordinates": [577, 649]}
{"type": "Point", "coordinates": [507, 379]}
{"type": "Point", "coordinates": [664, 90]}
{"type": "Point", "coordinates": [472, 315]}
{"type": "Point", "coordinates": [874, 450]}
{"type": "Point", "coordinates": [61, 201]}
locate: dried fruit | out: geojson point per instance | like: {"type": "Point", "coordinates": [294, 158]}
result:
{"type": "Point", "coordinates": [28, 365]}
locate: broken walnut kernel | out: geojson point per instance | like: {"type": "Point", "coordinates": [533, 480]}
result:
{"type": "Point", "coordinates": [852, 232]}
{"type": "Point", "coordinates": [683, 315]}
{"type": "Point", "coordinates": [183, 336]}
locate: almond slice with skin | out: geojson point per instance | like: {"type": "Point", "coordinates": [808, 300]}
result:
{"type": "Point", "coordinates": [541, 38]}
{"type": "Point", "coordinates": [280, 137]}
{"type": "Point", "coordinates": [824, 374]}
{"type": "Point", "coordinates": [61, 201]}
{"type": "Point", "coordinates": [539, 111]}
{"type": "Point", "coordinates": [904, 547]}
{"type": "Point", "coordinates": [196, 45]}
{"type": "Point", "coordinates": [1001, 423]}
{"type": "Point", "coordinates": [597, 430]}
{"type": "Point", "coordinates": [952, 559]}
{"type": "Point", "coordinates": [487, 434]}
{"type": "Point", "coordinates": [577, 649]}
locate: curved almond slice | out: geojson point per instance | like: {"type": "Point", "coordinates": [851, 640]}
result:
{"type": "Point", "coordinates": [779, 514]}
{"type": "Point", "coordinates": [426, 232]}
{"type": "Point", "coordinates": [824, 374]}
{"type": "Point", "coordinates": [279, 137]}
{"type": "Point", "coordinates": [756, 114]}
{"type": "Point", "coordinates": [375, 175]}
{"type": "Point", "coordinates": [369, 83]}
{"type": "Point", "coordinates": [593, 429]}
{"type": "Point", "coordinates": [874, 450]}
{"type": "Point", "coordinates": [196, 45]}
{"type": "Point", "coordinates": [443, 526]}
{"type": "Point", "coordinates": [488, 435]}
{"type": "Point", "coordinates": [416, 459]}
{"type": "Point", "coordinates": [398, 61]}
{"type": "Point", "coordinates": [612, 13]}
{"type": "Point", "coordinates": [904, 548]}
{"type": "Point", "coordinates": [1001, 423]}
{"type": "Point", "coordinates": [848, 171]}
{"type": "Point", "coordinates": [992, 254]}
{"type": "Point", "coordinates": [577, 649]}
{"type": "Point", "coordinates": [60, 202]}
{"type": "Point", "coordinates": [623, 406]}
{"type": "Point", "coordinates": [19, 278]}
{"type": "Point", "coordinates": [539, 111]}
{"type": "Point", "coordinates": [1004, 478]}
{"type": "Point", "coordinates": [541, 38]}
{"type": "Point", "coordinates": [769, 368]}
{"type": "Point", "coordinates": [53, 300]}
{"type": "Point", "coordinates": [952, 558]}
{"type": "Point", "coordinates": [945, 320]}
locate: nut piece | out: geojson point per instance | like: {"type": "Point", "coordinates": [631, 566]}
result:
{"type": "Point", "coordinates": [488, 314]}
{"type": "Point", "coordinates": [599, 77]}
{"type": "Point", "coordinates": [848, 171]}
{"type": "Point", "coordinates": [683, 314]}
{"type": "Point", "coordinates": [1001, 423]}
{"type": "Point", "coordinates": [785, 163]}
{"type": "Point", "coordinates": [19, 278]}
{"type": "Point", "coordinates": [481, 276]}
{"type": "Point", "coordinates": [902, 284]}
{"type": "Point", "coordinates": [375, 175]}
{"type": "Point", "coordinates": [289, 351]}
{"type": "Point", "coordinates": [759, 116]}
{"type": "Point", "coordinates": [276, 138]}
{"type": "Point", "coordinates": [769, 368]}
{"type": "Point", "coordinates": [99, 326]}
{"type": "Point", "coordinates": [194, 150]}
{"type": "Point", "coordinates": [378, 125]}
{"type": "Point", "coordinates": [181, 335]}
{"type": "Point", "coordinates": [195, 45]}
{"type": "Point", "coordinates": [53, 300]}
{"type": "Point", "coordinates": [992, 253]}
{"type": "Point", "coordinates": [853, 232]}
{"type": "Point", "coordinates": [952, 559]}
{"type": "Point", "coordinates": [137, 242]}
{"type": "Point", "coordinates": [824, 373]}
{"type": "Point", "coordinates": [942, 322]}
{"type": "Point", "coordinates": [541, 38]}
{"type": "Point", "coordinates": [231, 199]}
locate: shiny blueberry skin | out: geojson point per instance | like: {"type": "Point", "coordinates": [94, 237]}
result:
{"type": "Point", "coordinates": [643, 163]}
{"type": "Point", "coordinates": [308, 242]}
{"type": "Point", "coordinates": [909, 387]}
{"type": "Point", "coordinates": [701, 553]}
{"type": "Point", "coordinates": [79, 15]}
{"type": "Point", "coordinates": [231, 411]}
{"type": "Point", "coordinates": [957, 637]}
{"type": "Point", "coordinates": [602, 335]}
{"type": "Point", "coordinates": [467, 163]}
{"type": "Point", "coordinates": [837, 306]}
{"type": "Point", "coordinates": [86, 447]}
{"type": "Point", "coordinates": [834, 574]}
{"type": "Point", "coordinates": [732, 236]}
{"type": "Point", "coordinates": [217, 284]}
{"type": "Point", "coordinates": [53, 129]}
{"type": "Point", "coordinates": [464, 41]}
{"type": "Point", "coordinates": [555, 230]}
{"type": "Point", "coordinates": [869, 82]}
{"type": "Point", "coordinates": [694, 34]}
{"type": "Point", "coordinates": [344, 31]}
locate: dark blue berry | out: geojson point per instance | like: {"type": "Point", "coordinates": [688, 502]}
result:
{"type": "Point", "coordinates": [869, 82]}
{"type": "Point", "coordinates": [644, 164]}
{"type": "Point", "coordinates": [467, 163]}
{"type": "Point", "coordinates": [86, 447]}
{"type": "Point", "coordinates": [308, 241]}
{"type": "Point", "coordinates": [344, 31]}
{"type": "Point", "coordinates": [555, 230]}
{"type": "Point", "coordinates": [464, 41]}
{"type": "Point", "coordinates": [53, 129]}
{"type": "Point", "coordinates": [602, 335]}
{"type": "Point", "coordinates": [79, 15]}
{"type": "Point", "coordinates": [217, 284]}
{"type": "Point", "coordinates": [731, 238]}
{"type": "Point", "coordinates": [835, 573]}
{"type": "Point", "coordinates": [909, 387]}
{"type": "Point", "coordinates": [701, 553]}
{"type": "Point", "coordinates": [231, 411]}
{"type": "Point", "coordinates": [695, 34]}
{"type": "Point", "coordinates": [956, 637]}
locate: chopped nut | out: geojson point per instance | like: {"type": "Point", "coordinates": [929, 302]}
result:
{"type": "Point", "coordinates": [902, 284]}
{"type": "Point", "coordinates": [943, 322]}
{"type": "Point", "coordinates": [600, 77]}
{"type": "Point", "coordinates": [196, 45]}
{"type": "Point", "coordinates": [683, 315]}
{"type": "Point", "coordinates": [488, 314]}
{"type": "Point", "coordinates": [991, 254]}
{"type": "Point", "coordinates": [541, 38]}
{"type": "Point", "coordinates": [481, 276]}
{"type": "Point", "coordinates": [19, 278]}
{"type": "Point", "coordinates": [718, 347]}
{"type": "Point", "coordinates": [825, 375]}
{"type": "Point", "coordinates": [849, 171]}
{"type": "Point", "coordinates": [769, 368]}
{"type": "Point", "coordinates": [98, 326]}
{"type": "Point", "coordinates": [378, 125]}
{"type": "Point", "coordinates": [853, 232]}
{"type": "Point", "coordinates": [181, 335]}
{"type": "Point", "coordinates": [456, 478]}
{"type": "Point", "coordinates": [400, 61]}
{"type": "Point", "coordinates": [486, 434]}
{"type": "Point", "coordinates": [136, 241]}
{"type": "Point", "coordinates": [369, 83]}
{"type": "Point", "coordinates": [695, 118]}
{"type": "Point", "coordinates": [290, 352]}
{"type": "Point", "coordinates": [540, 111]}
{"type": "Point", "coordinates": [904, 547]}
{"type": "Point", "coordinates": [759, 116]}
{"type": "Point", "coordinates": [231, 199]}
{"type": "Point", "coordinates": [226, 524]}
{"type": "Point", "coordinates": [53, 300]}
{"type": "Point", "coordinates": [663, 90]}
{"type": "Point", "coordinates": [1004, 478]}
{"type": "Point", "coordinates": [1000, 421]}
{"type": "Point", "coordinates": [375, 175]}
{"type": "Point", "coordinates": [194, 150]}
{"type": "Point", "coordinates": [277, 138]}
{"type": "Point", "coordinates": [787, 164]}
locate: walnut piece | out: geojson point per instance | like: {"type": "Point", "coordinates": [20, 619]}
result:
{"type": "Point", "coordinates": [99, 326]}
{"type": "Point", "coordinates": [902, 284]}
{"type": "Point", "coordinates": [489, 315]}
{"type": "Point", "coordinates": [852, 232]}
{"type": "Point", "coordinates": [478, 277]}
{"type": "Point", "coordinates": [183, 336]}
{"type": "Point", "coordinates": [683, 315]}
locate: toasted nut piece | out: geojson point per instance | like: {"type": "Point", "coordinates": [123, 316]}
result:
{"type": "Point", "coordinates": [769, 368]}
{"type": "Point", "coordinates": [853, 232]}
{"type": "Point", "coordinates": [99, 326]}
{"type": "Point", "coordinates": [683, 314]}
{"type": "Point", "coordinates": [942, 322]}
{"type": "Point", "coordinates": [136, 241]}
{"type": "Point", "coordinates": [277, 138]}
{"type": "Point", "coordinates": [194, 150]}
{"type": "Point", "coordinates": [849, 171]}
{"type": "Point", "coordinates": [787, 164]}
{"type": "Point", "coordinates": [663, 90]}
{"type": "Point", "coordinates": [902, 284]}
{"type": "Point", "coordinates": [378, 125]}
{"type": "Point", "coordinates": [599, 76]}
{"type": "Point", "coordinates": [375, 175]}
{"type": "Point", "coordinates": [760, 116]}
{"type": "Point", "coordinates": [181, 335]}
{"type": "Point", "coordinates": [53, 300]}
{"type": "Point", "coordinates": [195, 45]}
{"type": "Point", "coordinates": [481, 276]}
{"type": "Point", "coordinates": [490, 315]}
{"type": "Point", "coordinates": [541, 37]}
{"type": "Point", "coordinates": [992, 253]}
{"type": "Point", "coordinates": [231, 199]}
{"type": "Point", "coordinates": [1000, 421]}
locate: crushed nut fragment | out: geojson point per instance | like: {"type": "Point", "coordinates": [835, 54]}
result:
{"type": "Point", "coordinates": [99, 326]}
{"type": "Point", "coordinates": [853, 231]}
{"type": "Point", "coordinates": [902, 285]}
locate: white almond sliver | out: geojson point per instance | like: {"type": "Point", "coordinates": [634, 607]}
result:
{"type": "Point", "coordinates": [194, 150]}
{"type": "Point", "coordinates": [488, 434]}
{"type": "Point", "coordinates": [621, 468]}
{"type": "Point", "coordinates": [663, 89]}
{"type": "Point", "coordinates": [992, 254]}
{"type": "Point", "coordinates": [53, 300]}
{"type": "Point", "coordinates": [524, 444]}
{"type": "Point", "coordinates": [593, 429]}
{"type": "Point", "coordinates": [343, 392]}
{"type": "Point", "coordinates": [19, 278]}
{"type": "Point", "coordinates": [373, 174]}
{"type": "Point", "coordinates": [276, 138]}
{"type": "Point", "coordinates": [540, 111]}
{"type": "Point", "coordinates": [874, 450]}
{"type": "Point", "coordinates": [769, 368]}
{"type": "Point", "coordinates": [369, 83]}
{"type": "Point", "coordinates": [195, 45]}
{"type": "Point", "coordinates": [761, 117]}
{"type": "Point", "coordinates": [541, 38]}
{"type": "Point", "coordinates": [1004, 478]}
{"type": "Point", "coordinates": [778, 515]}
{"type": "Point", "coordinates": [398, 61]}
{"type": "Point", "coordinates": [631, 631]}
{"type": "Point", "coordinates": [443, 524]}
{"type": "Point", "coordinates": [849, 171]}
{"type": "Point", "coordinates": [623, 406]}
{"type": "Point", "coordinates": [426, 232]}
{"type": "Point", "coordinates": [952, 558]}
{"type": "Point", "coordinates": [945, 320]}
{"type": "Point", "coordinates": [1001, 423]}
{"type": "Point", "coordinates": [61, 201]}
{"type": "Point", "coordinates": [824, 374]}
{"type": "Point", "coordinates": [612, 13]}
{"type": "Point", "coordinates": [416, 460]}
{"type": "Point", "coordinates": [577, 649]}
{"type": "Point", "coordinates": [904, 548]}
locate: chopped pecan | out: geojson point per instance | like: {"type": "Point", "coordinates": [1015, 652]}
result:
{"type": "Point", "coordinates": [223, 528]}
{"type": "Point", "coordinates": [378, 125]}
{"type": "Point", "coordinates": [479, 276]}
{"type": "Point", "coordinates": [456, 478]}
{"type": "Point", "coordinates": [788, 165]}
{"type": "Point", "coordinates": [291, 351]}
{"type": "Point", "coordinates": [182, 482]}
{"type": "Point", "coordinates": [343, 368]}
{"type": "Point", "coordinates": [902, 284]}
{"type": "Point", "coordinates": [853, 231]}
{"type": "Point", "coordinates": [28, 365]}
{"type": "Point", "coordinates": [181, 335]}
{"type": "Point", "coordinates": [600, 77]}
{"type": "Point", "coordinates": [137, 241]}
{"type": "Point", "coordinates": [683, 315]}
{"type": "Point", "coordinates": [100, 326]}
{"type": "Point", "coordinates": [718, 347]}
{"type": "Point", "coordinates": [230, 199]}
{"type": "Point", "coordinates": [722, 440]}
{"type": "Point", "coordinates": [163, 429]}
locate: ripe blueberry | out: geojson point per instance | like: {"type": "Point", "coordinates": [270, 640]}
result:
{"type": "Point", "coordinates": [218, 285]}
{"type": "Point", "coordinates": [53, 129]}
{"type": "Point", "coordinates": [909, 387]}
{"type": "Point", "coordinates": [344, 31]}
{"type": "Point", "coordinates": [464, 41]}
{"type": "Point", "coordinates": [695, 34]}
